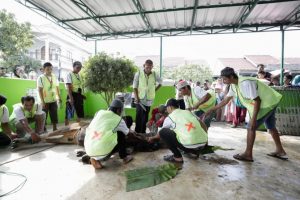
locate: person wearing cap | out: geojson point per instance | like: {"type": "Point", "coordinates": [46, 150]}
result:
{"type": "Point", "coordinates": [261, 102]}
{"type": "Point", "coordinates": [181, 130]}
{"type": "Point", "coordinates": [197, 101]}
{"type": "Point", "coordinates": [106, 135]}
{"type": "Point", "coordinates": [48, 92]}
{"type": "Point", "coordinates": [6, 134]}
{"type": "Point", "coordinates": [74, 85]}
{"type": "Point", "coordinates": [144, 86]}
{"type": "Point", "coordinates": [25, 113]}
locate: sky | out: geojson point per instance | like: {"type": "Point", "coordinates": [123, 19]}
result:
{"type": "Point", "coordinates": [207, 47]}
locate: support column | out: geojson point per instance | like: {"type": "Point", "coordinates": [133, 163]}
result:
{"type": "Point", "coordinates": [96, 51]}
{"type": "Point", "coordinates": [160, 63]}
{"type": "Point", "coordinates": [47, 48]}
{"type": "Point", "coordinates": [282, 57]}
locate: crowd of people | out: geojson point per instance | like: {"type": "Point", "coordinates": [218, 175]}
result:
{"type": "Point", "coordinates": [182, 124]}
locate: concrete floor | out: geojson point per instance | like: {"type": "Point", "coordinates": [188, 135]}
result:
{"type": "Point", "coordinates": [54, 173]}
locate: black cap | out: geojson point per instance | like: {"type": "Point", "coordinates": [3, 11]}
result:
{"type": "Point", "coordinates": [173, 103]}
{"type": "Point", "coordinates": [2, 100]}
{"type": "Point", "coordinates": [116, 103]}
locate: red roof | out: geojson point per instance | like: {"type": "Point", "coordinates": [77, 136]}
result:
{"type": "Point", "coordinates": [262, 59]}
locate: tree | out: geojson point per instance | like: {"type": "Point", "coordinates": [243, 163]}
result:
{"type": "Point", "coordinates": [107, 75]}
{"type": "Point", "coordinates": [30, 64]}
{"type": "Point", "coordinates": [15, 38]}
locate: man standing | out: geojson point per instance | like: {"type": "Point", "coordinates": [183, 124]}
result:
{"type": "Point", "coordinates": [75, 98]}
{"type": "Point", "coordinates": [26, 113]}
{"type": "Point", "coordinates": [261, 102]}
{"type": "Point", "coordinates": [198, 101]}
{"type": "Point", "coordinates": [144, 85]}
{"type": "Point", "coordinates": [48, 89]}
{"type": "Point", "coordinates": [6, 134]}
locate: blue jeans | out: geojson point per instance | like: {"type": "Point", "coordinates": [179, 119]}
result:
{"type": "Point", "coordinates": [269, 120]}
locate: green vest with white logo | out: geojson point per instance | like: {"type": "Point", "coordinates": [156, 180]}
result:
{"type": "Point", "coordinates": [193, 100]}
{"type": "Point", "coordinates": [49, 88]}
{"type": "Point", "coordinates": [76, 82]}
{"type": "Point", "coordinates": [269, 97]}
{"type": "Point", "coordinates": [27, 114]}
{"type": "Point", "coordinates": [101, 137]}
{"type": "Point", "coordinates": [147, 85]}
{"type": "Point", "coordinates": [187, 128]}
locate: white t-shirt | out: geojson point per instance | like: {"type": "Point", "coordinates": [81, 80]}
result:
{"type": "Point", "coordinates": [122, 127]}
{"type": "Point", "coordinates": [5, 116]}
{"type": "Point", "coordinates": [20, 114]}
{"type": "Point", "coordinates": [248, 89]}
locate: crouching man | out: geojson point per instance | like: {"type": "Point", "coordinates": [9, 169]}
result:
{"type": "Point", "coordinates": [106, 135]}
{"type": "Point", "coordinates": [23, 115]}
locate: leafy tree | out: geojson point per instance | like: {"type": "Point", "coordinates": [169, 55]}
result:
{"type": "Point", "coordinates": [15, 37]}
{"type": "Point", "coordinates": [107, 75]}
{"type": "Point", "coordinates": [30, 64]}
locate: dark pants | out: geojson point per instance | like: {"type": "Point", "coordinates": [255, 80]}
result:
{"type": "Point", "coordinates": [51, 108]}
{"type": "Point", "coordinates": [120, 147]}
{"type": "Point", "coordinates": [141, 118]}
{"type": "Point", "coordinates": [78, 105]}
{"type": "Point", "coordinates": [4, 140]}
{"type": "Point", "coordinates": [181, 104]}
{"type": "Point", "coordinates": [169, 137]}
{"type": "Point", "coordinates": [207, 119]}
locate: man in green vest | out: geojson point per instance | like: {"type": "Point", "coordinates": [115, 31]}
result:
{"type": "Point", "coordinates": [144, 86]}
{"type": "Point", "coordinates": [74, 85]}
{"type": "Point", "coordinates": [49, 95]}
{"type": "Point", "coordinates": [181, 130]}
{"type": "Point", "coordinates": [106, 135]}
{"type": "Point", "coordinates": [6, 134]}
{"type": "Point", "coordinates": [197, 101]}
{"type": "Point", "coordinates": [261, 102]}
{"type": "Point", "coordinates": [26, 113]}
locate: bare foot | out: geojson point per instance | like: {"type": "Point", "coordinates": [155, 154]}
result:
{"type": "Point", "coordinates": [96, 164]}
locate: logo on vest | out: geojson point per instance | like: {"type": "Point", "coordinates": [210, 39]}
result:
{"type": "Point", "coordinates": [97, 135]}
{"type": "Point", "coordinates": [190, 126]}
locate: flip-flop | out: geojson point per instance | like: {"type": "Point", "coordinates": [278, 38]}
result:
{"type": "Point", "coordinates": [171, 158]}
{"type": "Point", "coordinates": [276, 155]}
{"type": "Point", "coordinates": [241, 158]}
{"type": "Point", "coordinates": [194, 155]}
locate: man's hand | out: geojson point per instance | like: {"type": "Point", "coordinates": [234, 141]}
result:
{"type": "Point", "coordinates": [35, 138]}
{"type": "Point", "coordinates": [207, 113]}
{"type": "Point", "coordinates": [44, 106]}
{"type": "Point", "coordinates": [71, 100]}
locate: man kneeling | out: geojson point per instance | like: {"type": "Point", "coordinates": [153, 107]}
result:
{"type": "Point", "coordinates": [106, 135]}
{"type": "Point", "coordinates": [182, 130]}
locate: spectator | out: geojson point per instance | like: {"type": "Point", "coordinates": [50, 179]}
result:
{"type": "Point", "coordinates": [275, 81]}
{"type": "Point", "coordinates": [287, 81]}
{"type": "Point", "coordinates": [239, 114]}
{"type": "Point", "coordinates": [179, 98]}
{"type": "Point", "coordinates": [261, 68]}
{"type": "Point", "coordinates": [296, 81]}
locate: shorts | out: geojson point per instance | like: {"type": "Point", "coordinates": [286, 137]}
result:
{"type": "Point", "coordinates": [78, 105]}
{"type": "Point", "coordinates": [269, 120]}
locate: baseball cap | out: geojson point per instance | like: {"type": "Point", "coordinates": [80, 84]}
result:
{"type": "Point", "coordinates": [182, 84]}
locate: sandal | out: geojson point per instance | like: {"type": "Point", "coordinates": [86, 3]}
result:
{"type": "Point", "coordinates": [276, 155]}
{"type": "Point", "coordinates": [127, 159]}
{"type": "Point", "coordinates": [171, 158]}
{"type": "Point", "coordinates": [242, 158]}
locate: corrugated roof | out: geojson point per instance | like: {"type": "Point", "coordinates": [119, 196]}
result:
{"type": "Point", "coordinates": [103, 19]}
{"type": "Point", "coordinates": [262, 59]}
{"type": "Point", "coordinates": [237, 64]}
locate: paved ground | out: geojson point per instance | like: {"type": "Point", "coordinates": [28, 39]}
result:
{"type": "Point", "coordinates": [53, 172]}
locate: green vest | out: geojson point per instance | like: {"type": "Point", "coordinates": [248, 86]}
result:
{"type": "Point", "coordinates": [49, 89]}
{"type": "Point", "coordinates": [147, 85]}
{"type": "Point", "coordinates": [27, 114]}
{"type": "Point", "coordinates": [269, 97]}
{"type": "Point", "coordinates": [76, 81]}
{"type": "Point", "coordinates": [193, 100]}
{"type": "Point", "coordinates": [101, 137]}
{"type": "Point", "coordinates": [187, 128]}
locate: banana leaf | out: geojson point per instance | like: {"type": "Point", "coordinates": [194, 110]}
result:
{"type": "Point", "coordinates": [149, 176]}
{"type": "Point", "coordinates": [211, 149]}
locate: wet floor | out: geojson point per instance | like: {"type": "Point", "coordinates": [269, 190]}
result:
{"type": "Point", "coordinates": [53, 172]}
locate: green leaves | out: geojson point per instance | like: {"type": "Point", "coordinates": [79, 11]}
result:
{"type": "Point", "coordinates": [15, 38]}
{"type": "Point", "coordinates": [106, 74]}
{"type": "Point", "coordinates": [149, 176]}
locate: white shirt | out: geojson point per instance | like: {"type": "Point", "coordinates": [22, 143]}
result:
{"type": "Point", "coordinates": [5, 116]}
{"type": "Point", "coordinates": [122, 127]}
{"type": "Point", "coordinates": [248, 89]}
{"type": "Point", "coordinates": [200, 92]}
{"type": "Point", "coordinates": [168, 123]}
{"type": "Point", "coordinates": [20, 114]}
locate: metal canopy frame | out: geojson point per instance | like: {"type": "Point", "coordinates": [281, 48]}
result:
{"type": "Point", "coordinates": [292, 22]}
